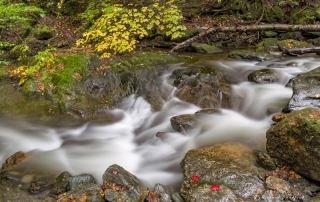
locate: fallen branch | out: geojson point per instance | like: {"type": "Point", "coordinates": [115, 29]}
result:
{"type": "Point", "coordinates": [300, 51]}
{"type": "Point", "coordinates": [265, 27]}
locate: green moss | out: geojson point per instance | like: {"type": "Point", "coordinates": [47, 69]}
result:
{"type": "Point", "coordinates": [3, 72]}
{"type": "Point", "coordinates": [42, 32]}
{"type": "Point", "coordinates": [287, 44]}
{"type": "Point", "coordinates": [274, 14]}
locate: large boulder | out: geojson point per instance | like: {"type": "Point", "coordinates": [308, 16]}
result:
{"type": "Point", "coordinates": [222, 172]}
{"type": "Point", "coordinates": [86, 192]}
{"type": "Point", "coordinates": [204, 86]}
{"type": "Point", "coordinates": [295, 142]}
{"type": "Point", "coordinates": [120, 185]}
{"type": "Point", "coordinates": [306, 91]}
{"type": "Point", "coordinates": [204, 48]}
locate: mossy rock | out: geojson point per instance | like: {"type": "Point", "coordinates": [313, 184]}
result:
{"type": "Point", "coordinates": [268, 44]}
{"type": "Point", "coordinates": [42, 32]}
{"type": "Point", "coordinates": [316, 41]}
{"type": "Point", "coordinates": [288, 44]}
{"type": "Point", "coordinates": [292, 35]}
{"type": "Point", "coordinates": [249, 55]}
{"type": "Point", "coordinates": [270, 34]}
{"type": "Point", "coordinates": [204, 48]}
{"type": "Point", "coordinates": [3, 72]}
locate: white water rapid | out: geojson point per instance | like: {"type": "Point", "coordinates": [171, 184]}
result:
{"type": "Point", "coordinates": [93, 148]}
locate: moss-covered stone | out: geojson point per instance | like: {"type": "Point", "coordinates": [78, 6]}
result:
{"type": "Point", "coordinates": [249, 55]}
{"type": "Point", "coordinates": [295, 142]}
{"type": "Point", "coordinates": [268, 44]}
{"type": "Point", "coordinates": [204, 48]}
{"type": "Point", "coordinates": [288, 44]}
{"type": "Point", "coordinates": [270, 34]}
{"type": "Point", "coordinates": [292, 35]}
{"type": "Point", "coordinates": [42, 32]}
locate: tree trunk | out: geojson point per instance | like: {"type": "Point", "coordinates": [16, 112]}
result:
{"type": "Point", "coordinates": [300, 51]}
{"type": "Point", "coordinates": [266, 27]}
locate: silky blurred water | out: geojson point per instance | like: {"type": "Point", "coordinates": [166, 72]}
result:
{"type": "Point", "coordinates": [131, 141]}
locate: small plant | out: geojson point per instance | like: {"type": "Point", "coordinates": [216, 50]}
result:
{"type": "Point", "coordinates": [120, 26]}
{"type": "Point", "coordinates": [44, 63]}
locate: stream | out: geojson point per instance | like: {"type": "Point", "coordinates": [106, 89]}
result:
{"type": "Point", "coordinates": [131, 142]}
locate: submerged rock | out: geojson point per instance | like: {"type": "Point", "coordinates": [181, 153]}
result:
{"type": "Point", "coordinates": [232, 166]}
{"type": "Point", "coordinates": [306, 91]}
{"type": "Point", "coordinates": [295, 142]}
{"type": "Point", "coordinates": [204, 48]}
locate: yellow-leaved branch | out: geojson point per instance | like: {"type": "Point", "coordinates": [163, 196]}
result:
{"type": "Point", "coordinates": [120, 26]}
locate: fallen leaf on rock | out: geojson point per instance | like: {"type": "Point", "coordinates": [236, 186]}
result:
{"type": "Point", "coordinates": [215, 187]}
{"type": "Point", "coordinates": [83, 197]}
{"type": "Point", "coordinates": [151, 197]}
{"type": "Point", "coordinates": [194, 177]}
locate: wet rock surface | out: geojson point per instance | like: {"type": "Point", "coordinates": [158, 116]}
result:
{"type": "Point", "coordinates": [128, 185]}
{"type": "Point", "coordinates": [263, 76]}
{"type": "Point", "coordinates": [295, 142]}
{"type": "Point", "coordinates": [306, 91]}
{"type": "Point", "coordinates": [13, 161]}
{"type": "Point", "coordinates": [232, 166]}
{"type": "Point", "coordinates": [61, 184]}
{"type": "Point", "coordinates": [183, 123]}
{"type": "Point", "coordinates": [203, 86]}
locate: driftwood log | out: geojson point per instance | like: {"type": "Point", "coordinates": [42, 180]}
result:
{"type": "Point", "coordinates": [265, 27]}
{"type": "Point", "coordinates": [300, 51]}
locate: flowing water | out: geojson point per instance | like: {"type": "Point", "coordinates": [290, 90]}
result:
{"type": "Point", "coordinates": [131, 142]}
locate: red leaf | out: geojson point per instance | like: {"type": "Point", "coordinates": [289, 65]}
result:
{"type": "Point", "coordinates": [194, 177]}
{"type": "Point", "coordinates": [215, 187]}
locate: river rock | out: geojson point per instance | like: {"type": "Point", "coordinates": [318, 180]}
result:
{"type": "Point", "coordinates": [79, 180]}
{"type": "Point", "coordinates": [295, 142]}
{"type": "Point", "coordinates": [13, 161]}
{"type": "Point", "coordinates": [268, 44]}
{"type": "Point", "coordinates": [183, 123]}
{"type": "Point", "coordinates": [61, 184]}
{"type": "Point", "coordinates": [204, 48]}
{"type": "Point", "coordinates": [306, 91]}
{"type": "Point", "coordinates": [290, 43]}
{"type": "Point", "coordinates": [266, 161]}
{"type": "Point", "coordinates": [207, 111]}
{"type": "Point", "coordinates": [263, 76]}
{"type": "Point", "coordinates": [249, 55]}
{"type": "Point", "coordinates": [86, 192]}
{"type": "Point", "coordinates": [116, 177]}
{"type": "Point", "coordinates": [204, 86]}
{"type": "Point", "coordinates": [39, 185]}
{"type": "Point", "coordinates": [279, 185]}
{"type": "Point", "coordinates": [232, 166]}
{"type": "Point", "coordinates": [162, 193]}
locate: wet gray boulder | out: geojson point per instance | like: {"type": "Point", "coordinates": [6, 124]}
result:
{"type": "Point", "coordinates": [86, 192]}
{"type": "Point", "coordinates": [162, 193]}
{"type": "Point", "coordinates": [120, 185]}
{"type": "Point", "coordinates": [79, 180]}
{"type": "Point", "coordinates": [61, 184]}
{"type": "Point", "coordinates": [295, 142]}
{"type": "Point", "coordinates": [306, 91]}
{"type": "Point", "coordinates": [204, 86]}
{"type": "Point", "coordinates": [263, 76]}
{"type": "Point", "coordinates": [232, 166]}
{"type": "Point", "coordinates": [184, 122]}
